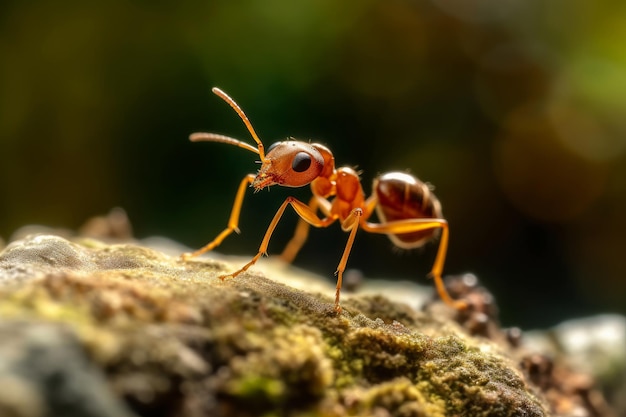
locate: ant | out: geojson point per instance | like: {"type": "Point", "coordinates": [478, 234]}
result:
{"type": "Point", "coordinates": [410, 214]}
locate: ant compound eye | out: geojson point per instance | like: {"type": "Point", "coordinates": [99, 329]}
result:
{"type": "Point", "coordinates": [292, 164]}
{"type": "Point", "coordinates": [272, 146]}
{"type": "Point", "coordinates": [301, 162]}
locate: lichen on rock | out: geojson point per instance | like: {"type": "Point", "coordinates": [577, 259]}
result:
{"type": "Point", "coordinates": [172, 339]}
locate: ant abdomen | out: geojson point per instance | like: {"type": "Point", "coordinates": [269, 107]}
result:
{"type": "Point", "coordinates": [401, 196]}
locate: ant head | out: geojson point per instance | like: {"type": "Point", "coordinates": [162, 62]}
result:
{"type": "Point", "coordinates": [290, 164]}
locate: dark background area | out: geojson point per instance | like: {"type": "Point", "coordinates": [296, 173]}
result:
{"type": "Point", "coordinates": [514, 110]}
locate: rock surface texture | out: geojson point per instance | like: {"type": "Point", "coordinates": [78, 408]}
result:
{"type": "Point", "coordinates": [93, 329]}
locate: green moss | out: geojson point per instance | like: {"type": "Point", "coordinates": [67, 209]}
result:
{"type": "Point", "coordinates": [257, 391]}
{"type": "Point", "coordinates": [398, 397]}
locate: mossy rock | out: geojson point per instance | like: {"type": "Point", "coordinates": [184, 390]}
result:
{"type": "Point", "coordinates": [161, 337]}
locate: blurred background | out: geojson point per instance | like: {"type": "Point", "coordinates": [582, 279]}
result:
{"type": "Point", "coordinates": [513, 109]}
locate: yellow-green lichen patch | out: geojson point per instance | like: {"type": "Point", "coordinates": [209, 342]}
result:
{"type": "Point", "coordinates": [398, 397]}
{"type": "Point", "coordinates": [289, 371]}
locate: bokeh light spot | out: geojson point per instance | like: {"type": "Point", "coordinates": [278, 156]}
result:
{"type": "Point", "coordinates": [542, 178]}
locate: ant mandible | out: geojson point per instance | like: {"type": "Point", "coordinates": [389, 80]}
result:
{"type": "Point", "coordinates": [409, 213]}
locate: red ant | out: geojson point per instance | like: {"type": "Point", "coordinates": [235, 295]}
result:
{"type": "Point", "coordinates": [409, 212]}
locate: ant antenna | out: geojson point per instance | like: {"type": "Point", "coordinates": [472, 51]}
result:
{"type": "Point", "coordinates": [243, 116]}
{"type": "Point", "coordinates": [214, 137]}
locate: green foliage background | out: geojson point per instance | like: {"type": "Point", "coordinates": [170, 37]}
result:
{"type": "Point", "coordinates": [513, 109]}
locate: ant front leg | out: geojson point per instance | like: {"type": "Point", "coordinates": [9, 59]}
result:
{"type": "Point", "coordinates": [302, 210]}
{"type": "Point", "coordinates": [233, 221]}
{"type": "Point", "coordinates": [417, 225]}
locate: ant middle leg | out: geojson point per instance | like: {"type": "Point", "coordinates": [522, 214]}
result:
{"type": "Point", "coordinates": [305, 213]}
{"type": "Point", "coordinates": [233, 221]}
{"type": "Point", "coordinates": [300, 235]}
{"type": "Point", "coordinates": [351, 223]}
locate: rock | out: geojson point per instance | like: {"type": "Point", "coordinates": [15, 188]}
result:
{"type": "Point", "coordinates": [44, 372]}
{"type": "Point", "coordinates": [596, 346]}
{"type": "Point", "coordinates": [172, 339]}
